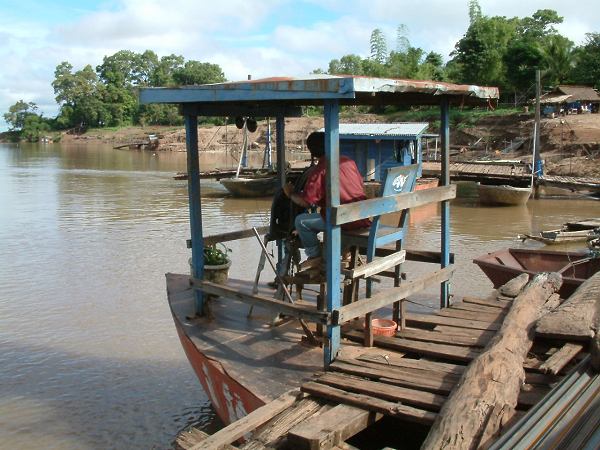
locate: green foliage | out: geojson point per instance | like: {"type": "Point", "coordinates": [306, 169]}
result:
{"type": "Point", "coordinates": [558, 59]}
{"type": "Point", "coordinates": [587, 66]}
{"type": "Point", "coordinates": [214, 256]}
{"type": "Point", "coordinates": [34, 128]}
{"type": "Point", "coordinates": [378, 46]}
{"type": "Point", "coordinates": [195, 72]}
{"type": "Point", "coordinates": [18, 113]}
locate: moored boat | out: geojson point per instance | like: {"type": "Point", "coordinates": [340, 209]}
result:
{"type": "Point", "coordinates": [570, 232]}
{"type": "Point", "coordinates": [575, 267]}
{"type": "Point", "coordinates": [257, 185]}
{"type": "Point", "coordinates": [503, 195]}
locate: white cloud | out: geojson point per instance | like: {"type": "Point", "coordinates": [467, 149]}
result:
{"type": "Point", "coordinates": [243, 37]}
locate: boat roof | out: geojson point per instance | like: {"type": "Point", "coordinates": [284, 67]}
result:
{"type": "Point", "coordinates": [276, 93]}
{"type": "Point", "coordinates": [381, 130]}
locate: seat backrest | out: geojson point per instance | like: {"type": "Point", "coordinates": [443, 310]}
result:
{"type": "Point", "coordinates": [397, 180]}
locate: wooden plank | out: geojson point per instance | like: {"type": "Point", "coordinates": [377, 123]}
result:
{"type": "Point", "coordinates": [443, 338]}
{"type": "Point", "coordinates": [471, 315]}
{"type": "Point", "coordinates": [474, 307]}
{"type": "Point", "coordinates": [301, 312]}
{"type": "Point", "coordinates": [487, 302]}
{"type": "Point", "coordinates": [389, 296]}
{"type": "Point", "coordinates": [413, 379]}
{"type": "Point", "coordinates": [187, 439]}
{"type": "Point", "coordinates": [377, 265]}
{"type": "Point", "coordinates": [233, 235]}
{"type": "Point", "coordinates": [469, 332]}
{"type": "Point", "coordinates": [370, 403]}
{"type": "Point", "coordinates": [561, 358]}
{"type": "Point", "coordinates": [421, 399]}
{"type": "Point", "coordinates": [330, 428]}
{"type": "Point", "coordinates": [428, 319]}
{"type": "Point", "coordinates": [393, 203]}
{"type": "Point", "coordinates": [395, 359]}
{"type": "Point", "coordinates": [445, 351]}
{"type": "Point", "coordinates": [246, 424]}
{"type": "Point", "coordinates": [273, 433]}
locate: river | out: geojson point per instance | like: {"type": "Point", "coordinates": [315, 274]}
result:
{"type": "Point", "coordinates": [89, 356]}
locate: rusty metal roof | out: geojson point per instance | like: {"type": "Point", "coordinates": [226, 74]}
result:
{"type": "Point", "coordinates": [316, 89]}
{"type": "Point", "coordinates": [579, 93]}
{"type": "Point", "coordinates": [382, 130]}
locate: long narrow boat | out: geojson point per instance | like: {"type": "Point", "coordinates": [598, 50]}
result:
{"type": "Point", "coordinates": [257, 185]}
{"type": "Point", "coordinates": [570, 232]}
{"type": "Point", "coordinates": [575, 267]}
{"type": "Point", "coordinates": [503, 195]}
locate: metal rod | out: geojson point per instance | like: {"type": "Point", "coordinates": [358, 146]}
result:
{"type": "Point", "coordinates": [272, 263]}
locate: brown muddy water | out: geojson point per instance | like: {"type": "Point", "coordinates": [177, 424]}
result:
{"type": "Point", "coordinates": [89, 357]}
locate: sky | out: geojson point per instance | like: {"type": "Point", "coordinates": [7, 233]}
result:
{"type": "Point", "coordinates": [259, 38]}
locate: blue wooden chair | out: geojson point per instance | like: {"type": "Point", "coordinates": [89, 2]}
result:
{"type": "Point", "coordinates": [396, 180]}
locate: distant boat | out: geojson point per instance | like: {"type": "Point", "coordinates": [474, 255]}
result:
{"type": "Point", "coordinates": [503, 195]}
{"type": "Point", "coordinates": [581, 231]}
{"type": "Point", "coordinates": [261, 183]}
{"type": "Point", "coordinates": [503, 265]}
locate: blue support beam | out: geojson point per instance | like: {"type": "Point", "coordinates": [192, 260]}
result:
{"type": "Point", "coordinates": [280, 147]}
{"type": "Point", "coordinates": [332, 232]}
{"type": "Point", "coordinates": [445, 181]}
{"type": "Point", "coordinates": [193, 167]}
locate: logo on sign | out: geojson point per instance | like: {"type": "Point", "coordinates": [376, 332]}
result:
{"type": "Point", "coordinates": [398, 182]}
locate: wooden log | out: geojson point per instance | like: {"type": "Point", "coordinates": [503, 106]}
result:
{"type": "Point", "coordinates": [330, 428]}
{"type": "Point", "coordinates": [246, 424]}
{"type": "Point", "coordinates": [393, 409]}
{"type": "Point", "coordinates": [487, 394]}
{"type": "Point", "coordinates": [574, 319]}
{"type": "Point", "coordinates": [561, 358]}
{"type": "Point", "coordinates": [513, 287]}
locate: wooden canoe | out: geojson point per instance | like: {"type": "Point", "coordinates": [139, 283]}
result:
{"type": "Point", "coordinates": [503, 195]}
{"type": "Point", "coordinates": [251, 186]}
{"type": "Point", "coordinates": [503, 265]}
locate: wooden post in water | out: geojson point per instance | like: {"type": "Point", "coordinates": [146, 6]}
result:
{"type": "Point", "coordinates": [332, 232]}
{"type": "Point", "coordinates": [193, 167]}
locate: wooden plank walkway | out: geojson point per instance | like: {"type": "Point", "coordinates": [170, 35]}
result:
{"type": "Point", "coordinates": [480, 171]}
{"type": "Point", "coordinates": [570, 182]}
{"type": "Point", "coordinates": [407, 376]}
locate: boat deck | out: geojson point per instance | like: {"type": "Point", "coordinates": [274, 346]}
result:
{"type": "Point", "coordinates": [407, 377]}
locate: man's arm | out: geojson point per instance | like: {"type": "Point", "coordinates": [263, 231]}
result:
{"type": "Point", "coordinates": [288, 190]}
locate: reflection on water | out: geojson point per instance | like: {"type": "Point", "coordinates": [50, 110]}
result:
{"type": "Point", "coordinates": [89, 356]}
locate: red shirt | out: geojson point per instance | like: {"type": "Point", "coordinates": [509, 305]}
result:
{"type": "Point", "coordinates": [351, 188]}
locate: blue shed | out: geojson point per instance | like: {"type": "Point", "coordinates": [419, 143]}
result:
{"type": "Point", "coordinates": [377, 146]}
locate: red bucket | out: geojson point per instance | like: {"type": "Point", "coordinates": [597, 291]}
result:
{"type": "Point", "coordinates": [384, 327]}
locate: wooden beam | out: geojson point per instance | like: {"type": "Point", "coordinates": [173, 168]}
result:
{"type": "Point", "coordinates": [561, 358]}
{"type": "Point", "coordinates": [393, 409]}
{"type": "Point", "coordinates": [395, 359]}
{"type": "Point", "coordinates": [413, 397]}
{"type": "Point", "coordinates": [432, 319]}
{"type": "Point", "coordinates": [389, 296]}
{"type": "Point", "coordinates": [301, 312]}
{"type": "Point", "coordinates": [393, 203]}
{"type": "Point", "coordinates": [443, 338]}
{"type": "Point", "coordinates": [487, 302]}
{"type": "Point", "coordinates": [331, 428]}
{"type": "Point", "coordinates": [233, 235]}
{"type": "Point", "coordinates": [249, 423]}
{"type": "Point", "coordinates": [482, 316]}
{"type": "Point", "coordinates": [377, 265]}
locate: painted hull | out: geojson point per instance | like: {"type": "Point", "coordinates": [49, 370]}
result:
{"type": "Point", "coordinates": [503, 265]}
{"type": "Point", "coordinates": [230, 400]}
{"type": "Point", "coordinates": [503, 195]}
{"type": "Point", "coordinates": [260, 186]}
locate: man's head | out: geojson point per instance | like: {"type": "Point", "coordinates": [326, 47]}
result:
{"type": "Point", "coordinates": [316, 144]}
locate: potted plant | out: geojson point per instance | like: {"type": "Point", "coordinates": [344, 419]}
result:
{"type": "Point", "coordinates": [216, 264]}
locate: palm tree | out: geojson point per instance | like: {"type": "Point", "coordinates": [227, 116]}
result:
{"type": "Point", "coordinates": [558, 59]}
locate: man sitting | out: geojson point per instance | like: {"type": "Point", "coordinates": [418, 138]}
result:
{"type": "Point", "coordinates": [309, 224]}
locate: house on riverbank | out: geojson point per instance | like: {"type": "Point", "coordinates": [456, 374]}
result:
{"type": "Point", "coordinates": [571, 99]}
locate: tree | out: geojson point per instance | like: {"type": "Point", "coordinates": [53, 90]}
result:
{"type": "Point", "coordinates": [587, 66]}
{"type": "Point", "coordinates": [347, 65]}
{"type": "Point", "coordinates": [196, 72]}
{"type": "Point", "coordinates": [558, 59]}
{"type": "Point", "coordinates": [378, 46]}
{"type": "Point", "coordinates": [163, 72]}
{"type": "Point", "coordinates": [17, 114]}
{"type": "Point", "coordinates": [474, 11]}
{"type": "Point", "coordinates": [521, 60]}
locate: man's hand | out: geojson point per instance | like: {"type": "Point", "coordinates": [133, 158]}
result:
{"type": "Point", "coordinates": [288, 189]}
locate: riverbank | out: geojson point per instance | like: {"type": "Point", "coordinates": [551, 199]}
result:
{"type": "Point", "coordinates": [570, 144]}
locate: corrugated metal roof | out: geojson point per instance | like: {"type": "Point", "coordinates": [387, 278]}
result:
{"type": "Point", "coordinates": [316, 89]}
{"type": "Point", "coordinates": [553, 98]}
{"type": "Point", "coordinates": [406, 129]}
{"type": "Point", "coordinates": [581, 93]}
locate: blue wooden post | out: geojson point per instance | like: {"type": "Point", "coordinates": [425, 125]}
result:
{"type": "Point", "coordinates": [280, 146]}
{"type": "Point", "coordinates": [445, 181]}
{"type": "Point", "coordinates": [332, 233]}
{"type": "Point", "coordinates": [193, 167]}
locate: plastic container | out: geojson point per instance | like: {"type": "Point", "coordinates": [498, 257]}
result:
{"type": "Point", "coordinates": [384, 327]}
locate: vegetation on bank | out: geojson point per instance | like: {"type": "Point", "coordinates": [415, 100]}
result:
{"type": "Point", "coordinates": [495, 51]}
